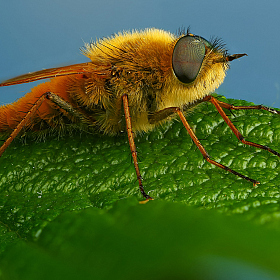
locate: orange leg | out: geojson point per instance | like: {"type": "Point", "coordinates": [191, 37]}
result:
{"type": "Point", "coordinates": [68, 110]}
{"type": "Point", "coordinates": [240, 137]}
{"type": "Point", "coordinates": [232, 107]}
{"type": "Point", "coordinates": [132, 145]}
{"type": "Point", "coordinates": [203, 151]}
{"type": "Point", "coordinates": [23, 122]}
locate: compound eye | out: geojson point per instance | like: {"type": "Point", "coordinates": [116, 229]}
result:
{"type": "Point", "coordinates": [188, 55]}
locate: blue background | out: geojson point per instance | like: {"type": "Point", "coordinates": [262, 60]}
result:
{"type": "Point", "coordinates": [44, 34]}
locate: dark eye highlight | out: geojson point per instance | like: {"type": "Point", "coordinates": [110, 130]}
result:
{"type": "Point", "coordinates": [188, 55]}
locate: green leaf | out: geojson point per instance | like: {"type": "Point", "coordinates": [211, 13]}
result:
{"type": "Point", "coordinates": [159, 240]}
{"type": "Point", "coordinates": [44, 184]}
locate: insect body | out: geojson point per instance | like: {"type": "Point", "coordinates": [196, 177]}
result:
{"type": "Point", "coordinates": [134, 81]}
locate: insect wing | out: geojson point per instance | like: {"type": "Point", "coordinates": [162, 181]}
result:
{"type": "Point", "coordinates": [82, 68]}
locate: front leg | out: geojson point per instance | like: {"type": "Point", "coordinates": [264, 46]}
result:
{"type": "Point", "coordinates": [233, 107]}
{"type": "Point", "coordinates": [172, 110]}
{"type": "Point", "coordinates": [218, 104]}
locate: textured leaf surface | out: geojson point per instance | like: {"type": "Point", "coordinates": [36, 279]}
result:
{"type": "Point", "coordinates": [42, 183]}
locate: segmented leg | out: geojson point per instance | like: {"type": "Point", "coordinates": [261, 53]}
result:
{"type": "Point", "coordinates": [232, 107]}
{"type": "Point", "coordinates": [56, 100]}
{"type": "Point", "coordinates": [203, 151]}
{"type": "Point", "coordinates": [160, 115]}
{"type": "Point", "coordinates": [23, 122]}
{"type": "Point", "coordinates": [240, 137]}
{"type": "Point", "coordinates": [132, 145]}
{"type": "Point", "coordinates": [73, 112]}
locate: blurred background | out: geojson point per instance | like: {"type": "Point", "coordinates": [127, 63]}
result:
{"type": "Point", "coordinates": [42, 34]}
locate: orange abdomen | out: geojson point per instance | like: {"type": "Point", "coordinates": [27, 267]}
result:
{"type": "Point", "coordinates": [12, 114]}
